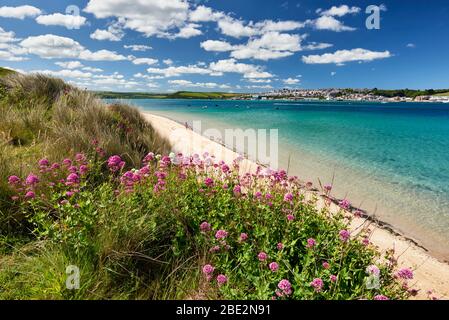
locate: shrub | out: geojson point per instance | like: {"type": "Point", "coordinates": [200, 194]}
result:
{"type": "Point", "coordinates": [183, 227]}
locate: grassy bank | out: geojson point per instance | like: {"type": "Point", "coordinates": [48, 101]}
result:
{"type": "Point", "coordinates": [87, 185]}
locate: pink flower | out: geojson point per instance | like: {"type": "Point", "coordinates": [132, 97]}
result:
{"type": "Point", "coordinates": [15, 198]}
{"type": "Point", "coordinates": [31, 180]}
{"type": "Point", "coordinates": [214, 249]}
{"type": "Point", "coordinates": [317, 283]}
{"type": "Point", "coordinates": [209, 182]}
{"type": "Point", "coordinates": [222, 279]}
{"type": "Point", "coordinates": [221, 234]}
{"type": "Point", "coordinates": [326, 265]}
{"type": "Point", "coordinates": [237, 190]}
{"type": "Point", "coordinates": [381, 297]}
{"type": "Point", "coordinates": [243, 237]}
{"type": "Point", "coordinates": [67, 162]}
{"type": "Point", "coordinates": [285, 286]}
{"type": "Point", "coordinates": [225, 168]}
{"type": "Point", "coordinates": [365, 241]}
{"type": "Point", "coordinates": [69, 194]}
{"type": "Point", "coordinates": [80, 157]}
{"type": "Point", "coordinates": [345, 204]}
{"type": "Point", "coordinates": [208, 269]}
{"type": "Point", "coordinates": [344, 235]}
{"type": "Point", "coordinates": [405, 273]}
{"type": "Point", "coordinates": [311, 243]}
{"type": "Point", "coordinates": [30, 195]}
{"type": "Point", "coordinates": [205, 227]}
{"type": "Point", "coordinates": [280, 246]}
{"type": "Point", "coordinates": [115, 163]}
{"type": "Point", "coordinates": [44, 163]}
{"type": "Point", "coordinates": [333, 278]}
{"type": "Point", "coordinates": [290, 217]}
{"type": "Point", "coordinates": [72, 179]}
{"type": "Point", "coordinates": [273, 266]}
{"type": "Point", "coordinates": [373, 270]}
{"type": "Point", "coordinates": [13, 180]}
{"type": "Point", "coordinates": [149, 157]}
{"type": "Point", "coordinates": [55, 166]}
{"type": "Point", "coordinates": [328, 187]}
{"type": "Point", "coordinates": [262, 256]}
{"type": "Point", "coordinates": [83, 169]}
{"type": "Point", "coordinates": [288, 197]}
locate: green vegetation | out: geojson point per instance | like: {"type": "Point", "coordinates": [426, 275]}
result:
{"type": "Point", "coordinates": [176, 95]}
{"type": "Point", "coordinates": [79, 186]}
{"type": "Point", "coordinates": [4, 72]}
{"type": "Point", "coordinates": [407, 92]}
{"type": "Point", "coordinates": [444, 94]}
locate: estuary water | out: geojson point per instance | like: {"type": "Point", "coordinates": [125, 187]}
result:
{"type": "Point", "coordinates": [391, 160]}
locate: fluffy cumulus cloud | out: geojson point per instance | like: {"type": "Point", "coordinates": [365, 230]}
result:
{"type": "Point", "coordinates": [249, 71]}
{"type": "Point", "coordinates": [330, 23]}
{"type": "Point", "coordinates": [271, 45]}
{"type": "Point", "coordinates": [66, 20]}
{"type": "Point", "coordinates": [342, 56]}
{"type": "Point", "coordinates": [339, 11]}
{"type": "Point", "coordinates": [162, 18]}
{"type": "Point", "coordinates": [147, 61]}
{"type": "Point", "coordinates": [69, 64]}
{"type": "Point", "coordinates": [138, 47]}
{"type": "Point", "coordinates": [172, 71]}
{"type": "Point", "coordinates": [50, 46]}
{"type": "Point", "coordinates": [74, 74]}
{"type": "Point", "coordinates": [112, 33]}
{"type": "Point", "coordinates": [190, 84]}
{"type": "Point", "coordinates": [291, 81]}
{"type": "Point", "coordinates": [9, 51]}
{"type": "Point", "coordinates": [20, 12]}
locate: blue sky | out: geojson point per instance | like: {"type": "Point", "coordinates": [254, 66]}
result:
{"type": "Point", "coordinates": [232, 45]}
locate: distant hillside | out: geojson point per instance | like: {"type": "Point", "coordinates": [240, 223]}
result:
{"type": "Point", "coordinates": [4, 71]}
{"type": "Point", "coordinates": [409, 93]}
{"type": "Point", "coordinates": [444, 94]}
{"type": "Point", "coordinates": [176, 95]}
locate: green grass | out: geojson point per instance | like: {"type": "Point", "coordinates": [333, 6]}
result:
{"type": "Point", "coordinates": [444, 94]}
{"type": "Point", "coordinates": [4, 72]}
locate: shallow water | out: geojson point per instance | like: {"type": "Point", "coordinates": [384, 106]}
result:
{"type": "Point", "coordinates": [389, 159]}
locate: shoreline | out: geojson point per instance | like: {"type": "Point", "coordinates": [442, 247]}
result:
{"type": "Point", "coordinates": [430, 273]}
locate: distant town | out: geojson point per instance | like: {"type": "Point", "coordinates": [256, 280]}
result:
{"type": "Point", "coordinates": [373, 95]}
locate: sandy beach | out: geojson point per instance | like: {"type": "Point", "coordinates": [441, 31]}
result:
{"type": "Point", "coordinates": [430, 273]}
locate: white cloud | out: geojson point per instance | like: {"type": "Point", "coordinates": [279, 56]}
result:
{"type": "Point", "coordinates": [113, 33]}
{"type": "Point", "coordinates": [65, 20]}
{"type": "Point", "coordinates": [205, 14]}
{"type": "Point", "coordinates": [188, 31]}
{"type": "Point", "coordinates": [235, 28]}
{"type": "Point", "coordinates": [152, 18]}
{"type": "Point", "coordinates": [259, 80]}
{"type": "Point", "coordinates": [70, 64]}
{"type": "Point", "coordinates": [168, 62]}
{"type": "Point", "coordinates": [177, 71]}
{"type": "Point", "coordinates": [91, 69]}
{"type": "Point", "coordinates": [148, 61]}
{"type": "Point", "coordinates": [291, 81]}
{"type": "Point", "coordinates": [189, 84]}
{"type": "Point", "coordinates": [330, 23]}
{"type": "Point", "coordinates": [102, 55]}
{"type": "Point", "coordinates": [50, 46]}
{"type": "Point", "coordinates": [249, 71]}
{"type": "Point", "coordinates": [333, 73]}
{"type": "Point", "coordinates": [411, 45]}
{"type": "Point", "coordinates": [271, 45]}
{"type": "Point", "coordinates": [7, 36]}
{"type": "Point", "coordinates": [20, 12]}
{"type": "Point", "coordinates": [341, 56]}
{"type": "Point", "coordinates": [317, 46]}
{"type": "Point", "coordinates": [137, 47]}
{"type": "Point", "coordinates": [76, 74]}
{"type": "Point", "coordinates": [339, 11]}
{"type": "Point", "coordinates": [217, 46]}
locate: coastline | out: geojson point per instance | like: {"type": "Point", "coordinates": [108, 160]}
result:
{"type": "Point", "coordinates": [430, 273]}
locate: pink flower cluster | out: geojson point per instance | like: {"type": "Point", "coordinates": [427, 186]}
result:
{"type": "Point", "coordinates": [317, 284]}
{"type": "Point", "coordinates": [285, 288]}
{"type": "Point", "coordinates": [344, 235]}
{"type": "Point", "coordinates": [405, 273]}
{"type": "Point", "coordinates": [115, 163]}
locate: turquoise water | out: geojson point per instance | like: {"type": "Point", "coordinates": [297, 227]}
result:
{"type": "Point", "coordinates": [390, 159]}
